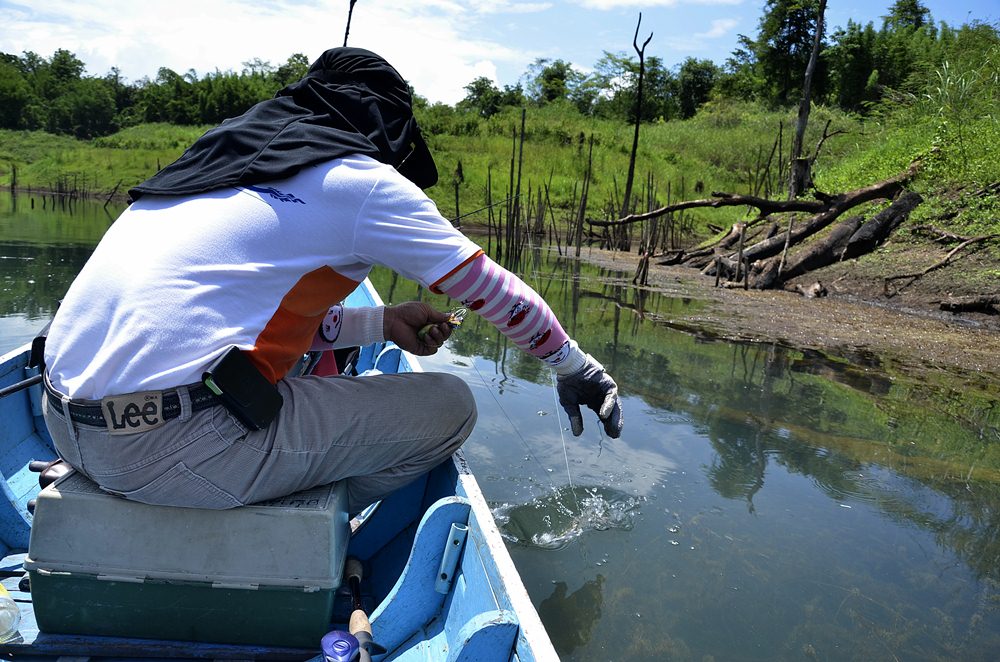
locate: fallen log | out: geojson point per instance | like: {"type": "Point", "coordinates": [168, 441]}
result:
{"type": "Point", "coordinates": [826, 208]}
{"type": "Point", "coordinates": [888, 189]}
{"type": "Point", "coordinates": [972, 304]}
{"type": "Point", "coordinates": [821, 253]}
{"type": "Point", "coordinates": [849, 239]}
{"type": "Point", "coordinates": [874, 232]}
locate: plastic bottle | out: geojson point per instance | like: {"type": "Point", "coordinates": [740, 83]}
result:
{"type": "Point", "coordinates": [10, 616]}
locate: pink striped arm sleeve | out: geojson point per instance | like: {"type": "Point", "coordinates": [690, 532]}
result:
{"type": "Point", "coordinates": [515, 309]}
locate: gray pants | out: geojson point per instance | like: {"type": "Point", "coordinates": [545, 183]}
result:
{"type": "Point", "coordinates": [377, 432]}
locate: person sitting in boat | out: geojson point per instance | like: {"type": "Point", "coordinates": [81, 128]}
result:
{"type": "Point", "coordinates": [167, 362]}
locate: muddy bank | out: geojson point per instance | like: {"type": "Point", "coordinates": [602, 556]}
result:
{"type": "Point", "coordinates": [855, 317]}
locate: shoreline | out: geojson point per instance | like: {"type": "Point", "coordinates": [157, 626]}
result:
{"type": "Point", "coordinates": [846, 322]}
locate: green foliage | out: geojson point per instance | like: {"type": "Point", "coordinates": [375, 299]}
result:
{"type": "Point", "coordinates": [852, 66]}
{"type": "Point", "coordinates": [551, 80]}
{"type": "Point", "coordinates": [611, 89]}
{"type": "Point", "coordinates": [54, 95]}
{"type": "Point", "coordinates": [695, 80]}
{"type": "Point", "coordinates": [15, 95]}
{"type": "Point", "coordinates": [486, 100]}
{"type": "Point", "coordinates": [783, 47]}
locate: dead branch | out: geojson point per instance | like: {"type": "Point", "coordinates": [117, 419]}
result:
{"type": "Point", "coordinates": [937, 265]}
{"type": "Point", "coordinates": [763, 205]}
{"type": "Point", "coordinates": [973, 304]}
{"type": "Point", "coordinates": [823, 139]}
{"type": "Point", "coordinates": [991, 189]}
{"type": "Point", "coordinates": [938, 235]}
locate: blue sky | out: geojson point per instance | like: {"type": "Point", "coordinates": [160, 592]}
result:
{"type": "Point", "coordinates": [438, 45]}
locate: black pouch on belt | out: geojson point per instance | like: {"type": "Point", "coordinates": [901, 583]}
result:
{"type": "Point", "coordinates": [243, 390]}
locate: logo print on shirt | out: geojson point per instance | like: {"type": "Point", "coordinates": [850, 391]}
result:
{"type": "Point", "coordinates": [330, 328]}
{"type": "Point", "coordinates": [539, 339]}
{"type": "Point", "coordinates": [475, 304]}
{"type": "Point", "coordinates": [517, 314]}
{"type": "Point", "coordinates": [276, 194]}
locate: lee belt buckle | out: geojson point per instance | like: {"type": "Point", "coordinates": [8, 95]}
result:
{"type": "Point", "coordinates": [133, 412]}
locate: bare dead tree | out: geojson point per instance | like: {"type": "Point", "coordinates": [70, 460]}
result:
{"type": "Point", "coordinates": [457, 179]}
{"type": "Point", "coordinates": [626, 199]}
{"type": "Point", "coordinates": [798, 180]}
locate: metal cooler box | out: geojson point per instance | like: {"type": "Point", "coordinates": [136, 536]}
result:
{"type": "Point", "coordinates": [261, 574]}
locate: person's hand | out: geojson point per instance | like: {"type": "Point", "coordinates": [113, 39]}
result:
{"type": "Point", "coordinates": [402, 324]}
{"type": "Point", "coordinates": [591, 386]}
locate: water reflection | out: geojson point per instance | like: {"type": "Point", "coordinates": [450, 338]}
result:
{"type": "Point", "coordinates": [44, 241]}
{"type": "Point", "coordinates": [570, 617]}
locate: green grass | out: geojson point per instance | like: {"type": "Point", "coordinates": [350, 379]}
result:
{"type": "Point", "coordinates": [723, 148]}
{"type": "Point", "coordinates": [43, 160]}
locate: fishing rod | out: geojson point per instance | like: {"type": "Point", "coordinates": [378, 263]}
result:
{"type": "Point", "coordinates": [359, 624]}
{"type": "Point", "coordinates": [490, 206]}
{"type": "Point", "coordinates": [355, 644]}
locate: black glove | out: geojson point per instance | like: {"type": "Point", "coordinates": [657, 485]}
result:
{"type": "Point", "coordinates": [591, 386]}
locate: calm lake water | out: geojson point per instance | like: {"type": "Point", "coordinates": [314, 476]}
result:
{"type": "Point", "coordinates": [763, 503]}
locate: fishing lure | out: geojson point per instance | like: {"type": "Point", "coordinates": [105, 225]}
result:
{"type": "Point", "coordinates": [455, 318]}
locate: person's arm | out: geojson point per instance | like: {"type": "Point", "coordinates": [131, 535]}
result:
{"type": "Point", "coordinates": [401, 228]}
{"type": "Point", "coordinates": [520, 313]}
{"type": "Point", "coordinates": [362, 325]}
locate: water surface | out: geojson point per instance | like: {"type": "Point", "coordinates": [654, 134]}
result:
{"type": "Point", "coordinates": [763, 503]}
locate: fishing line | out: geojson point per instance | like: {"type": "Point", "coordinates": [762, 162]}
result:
{"type": "Point", "coordinates": [562, 436]}
{"type": "Point", "coordinates": [555, 398]}
{"type": "Point", "coordinates": [520, 436]}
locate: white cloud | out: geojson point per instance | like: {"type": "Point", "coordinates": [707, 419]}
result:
{"type": "Point", "coordinates": [432, 44]}
{"type": "Point", "coordinates": [720, 28]}
{"type": "Point", "coordinates": [436, 52]}
{"type": "Point", "coordinates": [619, 4]}
{"type": "Point", "coordinates": [622, 4]}
{"type": "Point", "coordinates": [698, 42]}
{"type": "Point", "coordinates": [508, 7]}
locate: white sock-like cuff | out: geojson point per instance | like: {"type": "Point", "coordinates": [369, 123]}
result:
{"type": "Point", "coordinates": [575, 360]}
{"type": "Point", "coordinates": [362, 325]}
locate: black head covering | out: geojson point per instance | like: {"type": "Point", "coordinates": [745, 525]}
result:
{"type": "Point", "coordinates": [350, 102]}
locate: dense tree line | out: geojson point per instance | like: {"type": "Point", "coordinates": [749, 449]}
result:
{"type": "Point", "coordinates": [859, 66]}
{"type": "Point", "coordinates": [53, 94]}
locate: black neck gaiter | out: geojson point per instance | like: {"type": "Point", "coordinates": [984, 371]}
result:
{"type": "Point", "coordinates": [350, 102]}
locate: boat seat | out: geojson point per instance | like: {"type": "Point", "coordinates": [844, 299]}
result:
{"type": "Point", "coordinates": [267, 570]}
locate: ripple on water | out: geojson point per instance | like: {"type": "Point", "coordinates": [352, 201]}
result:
{"type": "Point", "coordinates": [559, 517]}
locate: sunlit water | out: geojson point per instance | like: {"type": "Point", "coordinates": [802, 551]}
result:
{"type": "Point", "coordinates": [565, 514]}
{"type": "Point", "coordinates": [763, 502]}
